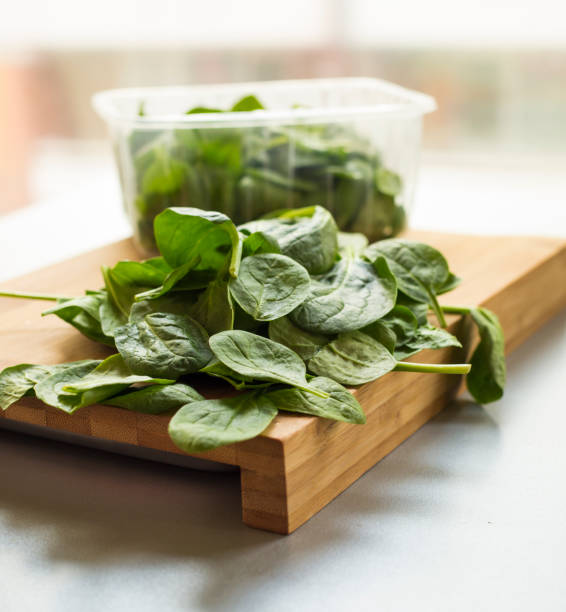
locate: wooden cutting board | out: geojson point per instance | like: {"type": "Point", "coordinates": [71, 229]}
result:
{"type": "Point", "coordinates": [300, 463]}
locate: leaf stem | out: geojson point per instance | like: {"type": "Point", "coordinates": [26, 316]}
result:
{"type": "Point", "coordinates": [33, 296]}
{"type": "Point", "coordinates": [462, 310]}
{"type": "Point", "coordinates": [433, 368]}
{"type": "Point", "coordinates": [437, 310]}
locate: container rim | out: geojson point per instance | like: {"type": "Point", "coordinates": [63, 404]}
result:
{"type": "Point", "coordinates": [410, 103]}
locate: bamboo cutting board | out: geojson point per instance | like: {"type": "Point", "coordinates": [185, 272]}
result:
{"type": "Point", "coordinates": [300, 463]}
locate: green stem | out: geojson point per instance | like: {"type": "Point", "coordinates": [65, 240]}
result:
{"type": "Point", "coordinates": [437, 310]}
{"type": "Point", "coordinates": [433, 368]}
{"type": "Point", "coordinates": [33, 296]}
{"type": "Point", "coordinates": [461, 310]}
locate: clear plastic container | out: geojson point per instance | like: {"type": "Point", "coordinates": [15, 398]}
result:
{"type": "Point", "coordinates": [351, 145]}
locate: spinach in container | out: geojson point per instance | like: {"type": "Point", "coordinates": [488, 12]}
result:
{"type": "Point", "coordinates": [250, 171]}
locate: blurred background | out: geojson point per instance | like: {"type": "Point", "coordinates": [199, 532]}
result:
{"type": "Point", "coordinates": [496, 68]}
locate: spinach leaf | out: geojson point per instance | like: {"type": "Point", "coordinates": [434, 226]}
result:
{"type": "Point", "coordinates": [213, 308]}
{"type": "Point", "coordinates": [353, 294]}
{"type": "Point", "coordinates": [156, 399]}
{"type": "Point", "coordinates": [426, 337]}
{"type": "Point", "coordinates": [19, 380]}
{"type": "Point", "coordinates": [216, 368]}
{"type": "Point", "coordinates": [111, 317]}
{"type": "Point", "coordinates": [204, 425]}
{"type": "Point", "coordinates": [83, 314]}
{"type": "Point", "coordinates": [388, 182]}
{"type": "Point", "coordinates": [381, 332]}
{"type": "Point", "coordinates": [341, 405]}
{"type": "Point", "coordinates": [260, 359]}
{"type": "Point", "coordinates": [258, 243]}
{"type": "Point", "coordinates": [486, 381]}
{"type": "Point", "coordinates": [193, 239]}
{"type": "Point", "coordinates": [77, 389]}
{"type": "Point", "coordinates": [307, 235]}
{"type": "Point", "coordinates": [354, 358]}
{"type": "Point", "coordinates": [247, 103]}
{"type": "Point", "coordinates": [269, 286]}
{"type": "Point", "coordinates": [305, 344]}
{"type": "Point", "coordinates": [421, 271]}
{"type": "Point", "coordinates": [163, 345]}
{"type": "Point", "coordinates": [402, 322]}
{"type": "Point", "coordinates": [50, 389]}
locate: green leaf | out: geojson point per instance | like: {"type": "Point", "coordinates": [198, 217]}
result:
{"type": "Point", "coordinates": [216, 368]}
{"type": "Point", "coordinates": [190, 238]}
{"type": "Point", "coordinates": [91, 382]}
{"type": "Point", "coordinates": [269, 286]}
{"type": "Point", "coordinates": [486, 381]}
{"type": "Point", "coordinates": [305, 344]}
{"type": "Point", "coordinates": [426, 337]}
{"type": "Point", "coordinates": [163, 345]}
{"type": "Point", "coordinates": [19, 380]}
{"type": "Point", "coordinates": [247, 103]}
{"type": "Point", "coordinates": [341, 405]}
{"type": "Point", "coordinates": [258, 243]}
{"type": "Point", "coordinates": [213, 308]}
{"type": "Point", "coordinates": [50, 389]}
{"type": "Point", "coordinates": [260, 359]}
{"type": "Point", "coordinates": [83, 314]}
{"type": "Point", "coordinates": [204, 425]}
{"type": "Point", "coordinates": [388, 182]}
{"type": "Point", "coordinates": [421, 271]}
{"type": "Point", "coordinates": [402, 322]}
{"type": "Point", "coordinates": [354, 358]}
{"type": "Point", "coordinates": [307, 235]}
{"type": "Point", "coordinates": [379, 331]}
{"type": "Point", "coordinates": [353, 294]}
{"type": "Point", "coordinates": [156, 399]}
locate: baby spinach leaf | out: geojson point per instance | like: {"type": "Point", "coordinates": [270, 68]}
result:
{"type": "Point", "coordinates": [163, 345]}
{"type": "Point", "coordinates": [19, 380]}
{"type": "Point", "coordinates": [83, 314]}
{"type": "Point", "coordinates": [426, 337]}
{"type": "Point", "coordinates": [305, 344]}
{"type": "Point", "coordinates": [307, 235]}
{"type": "Point", "coordinates": [260, 359]}
{"type": "Point", "coordinates": [341, 405]}
{"type": "Point", "coordinates": [353, 294]}
{"type": "Point", "coordinates": [247, 103]}
{"type": "Point", "coordinates": [354, 358]}
{"type": "Point", "coordinates": [420, 269]}
{"type": "Point", "coordinates": [238, 381]}
{"type": "Point", "coordinates": [387, 181]}
{"type": "Point", "coordinates": [50, 389]}
{"type": "Point", "coordinates": [451, 283]}
{"type": "Point", "coordinates": [402, 322]}
{"type": "Point", "coordinates": [156, 399]}
{"type": "Point", "coordinates": [194, 240]}
{"type": "Point", "coordinates": [486, 381]}
{"type": "Point", "coordinates": [77, 387]}
{"type": "Point", "coordinates": [111, 317]}
{"type": "Point", "coordinates": [258, 243]}
{"type": "Point", "coordinates": [379, 331]}
{"type": "Point", "coordinates": [204, 425]}
{"type": "Point", "coordinates": [269, 286]}
{"type": "Point", "coordinates": [203, 238]}
{"type": "Point", "coordinates": [213, 308]}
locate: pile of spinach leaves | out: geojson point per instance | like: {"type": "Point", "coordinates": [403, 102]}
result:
{"type": "Point", "coordinates": [285, 308]}
{"type": "Point", "coordinates": [250, 171]}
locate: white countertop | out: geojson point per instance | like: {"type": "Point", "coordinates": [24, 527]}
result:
{"type": "Point", "coordinates": [468, 514]}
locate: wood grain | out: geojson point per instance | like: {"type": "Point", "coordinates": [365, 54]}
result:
{"type": "Point", "coordinates": [299, 463]}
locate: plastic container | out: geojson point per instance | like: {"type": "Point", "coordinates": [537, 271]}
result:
{"type": "Point", "coordinates": [351, 145]}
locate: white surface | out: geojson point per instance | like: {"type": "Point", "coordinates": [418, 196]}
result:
{"type": "Point", "coordinates": [467, 515]}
